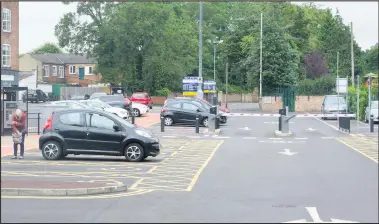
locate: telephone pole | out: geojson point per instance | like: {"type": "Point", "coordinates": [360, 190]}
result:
{"type": "Point", "coordinates": [352, 54]}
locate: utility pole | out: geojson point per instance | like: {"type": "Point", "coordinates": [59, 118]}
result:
{"type": "Point", "coordinates": [199, 88]}
{"type": "Point", "coordinates": [352, 55]}
{"type": "Point", "coordinates": [369, 102]}
{"type": "Point", "coordinates": [226, 82]}
{"type": "Point", "coordinates": [260, 62]}
{"type": "Point", "coordinates": [338, 86]}
{"type": "Point", "coordinates": [358, 90]}
{"type": "Point", "coordinates": [214, 62]}
{"type": "Point", "coordinates": [37, 78]}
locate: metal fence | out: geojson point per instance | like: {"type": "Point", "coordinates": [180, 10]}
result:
{"type": "Point", "coordinates": [34, 123]}
{"type": "Point", "coordinates": [68, 92]}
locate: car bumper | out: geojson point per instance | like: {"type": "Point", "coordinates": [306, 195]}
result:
{"type": "Point", "coordinates": [223, 119]}
{"type": "Point", "coordinates": [152, 149]}
{"type": "Point", "coordinates": [32, 98]}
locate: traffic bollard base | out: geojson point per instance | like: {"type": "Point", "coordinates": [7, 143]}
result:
{"type": "Point", "coordinates": [282, 134]}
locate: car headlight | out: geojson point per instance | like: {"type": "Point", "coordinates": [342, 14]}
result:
{"type": "Point", "coordinates": [143, 133]}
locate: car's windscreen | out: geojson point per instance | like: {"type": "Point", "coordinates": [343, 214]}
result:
{"type": "Point", "coordinates": [334, 100]}
{"type": "Point", "coordinates": [139, 95]}
{"type": "Point", "coordinates": [119, 105]}
{"type": "Point", "coordinates": [31, 91]}
{"type": "Point", "coordinates": [374, 105]}
{"type": "Point", "coordinates": [111, 98]}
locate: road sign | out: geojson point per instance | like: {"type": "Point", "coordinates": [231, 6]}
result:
{"type": "Point", "coordinates": [341, 85]}
{"type": "Point", "coordinates": [316, 218]}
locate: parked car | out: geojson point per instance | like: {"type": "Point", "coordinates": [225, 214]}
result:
{"type": "Point", "coordinates": [100, 105]}
{"type": "Point", "coordinates": [97, 95]}
{"type": "Point", "coordinates": [35, 96]}
{"type": "Point", "coordinates": [374, 112]}
{"type": "Point", "coordinates": [119, 101]}
{"type": "Point", "coordinates": [333, 104]}
{"type": "Point", "coordinates": [142, 97]}
{"type": "Point", "coordinates": [80, 97]}
{"type": "Point", "coordinates": [206, 105]}
{"type": "Point", "coordinates": [94, 132]}
{"type": "Point", "coordinates": [70, 104]}
{"type": "Point", "coordinates": [185, 111]}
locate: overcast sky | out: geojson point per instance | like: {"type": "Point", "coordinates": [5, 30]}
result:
{"type": "Point", "coordinates": [37, 21]}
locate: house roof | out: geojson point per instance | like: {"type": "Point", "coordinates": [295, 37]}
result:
{"type": "Point", "coordinates": [63, 58]}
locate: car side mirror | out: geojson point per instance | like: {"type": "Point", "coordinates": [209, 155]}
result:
{"type": "Point", "coordinates": [199, 110]}
{"type": "Point", "coordinates": [116, 128]}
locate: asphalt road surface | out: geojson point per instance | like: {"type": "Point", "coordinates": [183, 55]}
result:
{"type": "Point", "coordinates": [244, 174]}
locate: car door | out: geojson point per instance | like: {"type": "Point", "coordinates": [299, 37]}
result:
{"type": "Point", "coordinates": [188, 113]}
{"type": "Point", "coordinates": [71, 127]}
{"type": "Point", "coordinates": [101, 135]}
{"type": "Point", "coordinates": [176, 108]}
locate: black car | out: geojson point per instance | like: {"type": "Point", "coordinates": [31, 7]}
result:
{"type": "Point", "coordinates": [205, 105]}
{"type": "Point", "coordinates": [35, 96]}
{"type": "Point", "coordinates": [114, 99]}
{"type": "Point", "coordinates": [184, 111]}
{"type": "Point", "coordinates": [93, 132]}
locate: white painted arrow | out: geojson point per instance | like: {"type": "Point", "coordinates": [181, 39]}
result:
{"type": "Point", "coordinates": [246, 128]}
{"type": "Point", "coordinates": [288, 152]}
{"type": "Point", "coordinates": [316, 218]}
{"type": "Point", "coordinates": [311, 129]}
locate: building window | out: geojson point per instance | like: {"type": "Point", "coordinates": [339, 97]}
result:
{"type": "Point", "coordinates": [6, 55]}
{"type": "Point", "coordinates": [90, 70]}
{"type": "Point", "coordinates": [72, 69]}
{"type": "Point", "coordinates": [61, 72]}
{"type": "Point", "coordinates": [6, 20]}
{"type": "Point", "coordinates": [46, 71]}
{"type": "Point", "coordinates": [54, 70]}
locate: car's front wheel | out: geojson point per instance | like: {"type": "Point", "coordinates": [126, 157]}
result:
{"type": "Point", "coordinates": [136, 113]}
{"type": "Point", "coordinates": [168, 121]}
{"type": "Point", "coordinates": [205, 122]}
{"type": "Point", "coordinates": [52, 150]}
{"type": "Point", "coordinates": [134, 152]}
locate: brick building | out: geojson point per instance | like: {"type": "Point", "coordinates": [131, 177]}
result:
{"type": "Point", "coordinates": [9, 43]}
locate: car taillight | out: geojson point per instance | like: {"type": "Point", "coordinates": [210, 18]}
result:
{"type": "Point", "coordinates": [49, 123]}
{"type": "Point", "coordinates": [164, 109]}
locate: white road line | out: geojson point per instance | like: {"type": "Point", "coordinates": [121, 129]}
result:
{"type": "Point", "coordinates": [301, 138]}
{"type": "Point", "coordinates": [169, 136]}
{"type": "Point", "coordinates": [335, 128]}
{"type": "Point", "coordinates": [222, 137]}
{"type": "Point", "coordinates": [194, 136]}
{"type": "Point", "coordinates": [275, 138]}
{"type": "Point", "coordinates": [327, 137]}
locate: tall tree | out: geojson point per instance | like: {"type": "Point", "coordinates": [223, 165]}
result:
{"type": "Point", "coordinates": [47, 48]}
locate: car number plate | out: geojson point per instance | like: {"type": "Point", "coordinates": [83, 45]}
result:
{"type": "Point", "coordinates": [30, 95]}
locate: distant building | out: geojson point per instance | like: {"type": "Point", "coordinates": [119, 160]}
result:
{"type": "Point", "coordinates": [9, 43]}
{"type": "Point", "coordinates": [61, 68]}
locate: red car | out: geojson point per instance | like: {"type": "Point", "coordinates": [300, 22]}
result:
{"type": "Point", "coordinates": [142, 97]}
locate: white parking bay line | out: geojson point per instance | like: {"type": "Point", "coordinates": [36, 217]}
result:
{"type": "Point", "coordinates": [222, 137]}
{"type": "Point", "coordinates": [194, 136]}
{"type": "Point", "coordinates": [300, 138]}
{"type": "Point", "coordinates": [249, 138]}
{"type": "Point", "coordinates": [169, 136]}
{"type": "Point", "coordinates": [275, 138]}
{"type": "Point", "coordinates": [327, 137]}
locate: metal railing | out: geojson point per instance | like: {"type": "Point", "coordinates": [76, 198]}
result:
{"type": "Point", "coordinates": [34, 121]}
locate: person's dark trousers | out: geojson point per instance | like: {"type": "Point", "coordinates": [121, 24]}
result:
{"type": "Point", "coordinates": [21, 146]}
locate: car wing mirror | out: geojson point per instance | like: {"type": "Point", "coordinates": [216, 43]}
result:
{"type": "Point", "coordinates": [199, 110]}
{"type": "Point", "coordinates": [116, 127]}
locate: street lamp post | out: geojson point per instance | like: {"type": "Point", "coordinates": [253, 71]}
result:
{"type": "Point", "coordinates": [199, 88]}
{"type": "Point", "coordinates": [215, 43]}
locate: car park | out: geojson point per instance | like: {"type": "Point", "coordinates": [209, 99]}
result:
{"type": "Point", "coordinates": [143, 98]}
{"type": "Point", "coordinates": [373, 112]}
{"type": "Point", "coordinates": [100, 105]}
{"type": "Point", "coordinates": [183, 111]}
{"type": "Point", "coordinates": [333, 104]}
{"type": "Point", "coordinates": [69, 104]}
{"type": "Point", "coordinates": [205, 105]}
{"type": "Point", "coordinates": [94, 132]}
{"type": "Point", "coordinates": [35, 96]}
{"type": "Point", "coordinates": [138, 109]}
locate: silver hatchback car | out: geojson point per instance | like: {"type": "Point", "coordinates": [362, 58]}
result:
{"type": "Point", "coordinates": [333, 104]}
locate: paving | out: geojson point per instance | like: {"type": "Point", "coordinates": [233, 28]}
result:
{"type": "Point", "coordinates": [248, 176]}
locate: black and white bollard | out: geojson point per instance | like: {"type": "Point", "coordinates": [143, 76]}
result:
{"type": "Point", "coordinates": [372, 123]}
{"type": "Point", "coordinates": [197, 124]}
{"type": "Point", "coordinates": [162, 124]}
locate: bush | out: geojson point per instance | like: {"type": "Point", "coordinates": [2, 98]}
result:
{"type": "Point", "coordinates": [352, 100]}
{"type": "Point", "coordinates": [163, 92]}
{"type": "Point", "coordinates": [322, 86]}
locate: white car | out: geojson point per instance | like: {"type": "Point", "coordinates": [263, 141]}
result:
{"type": "Point", "coordinates": [97, 104]}
{"type": "Point", "coordinates": [69, 104]}
{"type": "Point", "coordinates": [373, 112]}
{"type": "Point", "coordinates": [138, 108]}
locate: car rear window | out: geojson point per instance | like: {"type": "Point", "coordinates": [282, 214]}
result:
{"type": "Point", "coordinates": [32, 91]}
{"type": "Point", "coordinates": [139, 95]}
{"type": "Point", "coordinates": [334, 100]}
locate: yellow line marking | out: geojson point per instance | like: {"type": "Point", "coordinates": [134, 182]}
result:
{"type": "Point", "coordinates": [152, 169]}
{"type": "Point", "coordinates": [357, 150]}
{"type": "Point", "coordinates": [173, 154]}
{"type": "Point", "coordinates": [136, 184]}
{"type": "Point", "coordinates": [197, 175]}
{"type": "Point", "coordinates": [25, 149]}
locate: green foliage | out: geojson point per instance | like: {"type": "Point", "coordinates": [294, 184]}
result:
{"type": "Point", "coordinates": [151, 46]}
{"type": "Point", "coordinates": [163, 92]}
{"type": "Point", "coordinates": [47, 48]}
{"type": "Point", "coordinates": [363, 100]}
{"type": "Point", "coordinates": [322, 86]}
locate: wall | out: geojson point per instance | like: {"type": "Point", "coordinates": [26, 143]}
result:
{"type": "Point", "coordinates": [12, 38]}
{"type": "Point", "coordinates": [310, 104]}
{"type": "Point", "coordinates": [240, 98]}
{"type": "Point", "coordinates": [88, 78]}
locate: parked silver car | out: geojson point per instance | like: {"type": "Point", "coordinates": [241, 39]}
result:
{"type": "Point", "coordinates": [333, 104]}
{"type": "Point", "coordinates": [374, 112]}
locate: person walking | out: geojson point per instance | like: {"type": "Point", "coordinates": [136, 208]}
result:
{"type": "Point", "coordinates": [19, 131]}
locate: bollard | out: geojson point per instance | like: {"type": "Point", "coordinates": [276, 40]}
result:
{"type": "Point", "coordinates": [162, 124]}
{"type": "Point", "coordinates": [214, 100]}
{"type": "Point", "coordinates": [371, 123]}
{"type": "Point", "coordinates": [280, 123]}
{"type": "Point", "coordinates": [131, 111]}
{"type": "Point", "coordinates": [197, 124]}
{"type": "Point", "coordinates": [217, 122]}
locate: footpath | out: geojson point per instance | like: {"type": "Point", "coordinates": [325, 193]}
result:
{"type": "Point", "coordinates": [21, 187]}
